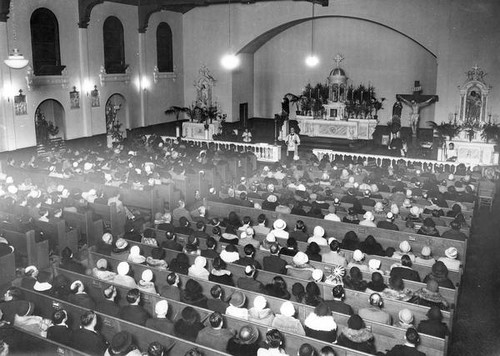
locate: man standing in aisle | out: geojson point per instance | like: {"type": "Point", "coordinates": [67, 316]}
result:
{"type": "Point", "coordinates": [292, 142]}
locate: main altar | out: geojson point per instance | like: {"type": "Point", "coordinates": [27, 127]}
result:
{"type": "Point", "coordinates": [338, 110]}
{"type": "Point", "coordinates": [352, 129]}
{"type": "Point", "coordinates": [475, 133]}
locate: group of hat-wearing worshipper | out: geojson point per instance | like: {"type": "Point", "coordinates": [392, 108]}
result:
{"type": "Point", "coordinates": [416, 201]}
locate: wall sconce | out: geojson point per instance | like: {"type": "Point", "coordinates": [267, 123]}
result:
{"type": "Point", "coordinates": [87, 87]}
{"type": "Point", "coordinates": [143, 83]}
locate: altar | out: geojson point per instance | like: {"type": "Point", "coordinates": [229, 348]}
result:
{"type": "Point", "coordinates": [472, 153]}
{"type": "Point", "coordinates": [352, 129]}
{"type": "Point", "coordinates": [197, 130]}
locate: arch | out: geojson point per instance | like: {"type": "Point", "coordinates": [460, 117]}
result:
{"type": "Point", "coordinates": [259, 41]}
{"type": "Point", "coordinates": [45, 43]}
{"type": "Point", "coordinates": [49, 113]}
{"type": "Point", "coordinates": [118, 99]}
{"type": "Point", "coordinates": [114, 46]}
{"type": "Point", "coordinates": [164, 48]}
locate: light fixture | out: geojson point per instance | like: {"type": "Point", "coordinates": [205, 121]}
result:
{"type": "Point", "coordinates": [229, 61]}
{"type": "Point", "coordinates": [87, 87]}
{"type": "Point", "coordinates": [16, 60]}
{"type": "Point", "coordinates": [312, 60]}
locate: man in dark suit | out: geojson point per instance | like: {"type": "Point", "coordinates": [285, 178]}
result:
{"type": "Point", "coordinates": [249, 282]}
{"type": "Point", "coordinates": [108, 306]}
{"type": "Point", "coordinates": [410, 347]}
{"type": "Point", "coordinates": [337, 304]}
{"type": "Point", "coordinates": [87, 339]}
{"type": "Point", "coordinates": [59, 331]}
{"type": "Point", "coordinates": [133, 312]}
{"type": "Point", "coordinates": [274, 263]}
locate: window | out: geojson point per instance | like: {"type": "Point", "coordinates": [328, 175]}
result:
{"type": "Point", "coordinates": [114, 48]}
{"type": "Point", "coordinates": [45, 43]}
{"type": "Point", "coordinates": [164, 51]}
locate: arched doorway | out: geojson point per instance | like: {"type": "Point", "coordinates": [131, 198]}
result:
{"type": "Point", "coordinates": [49, 121]}
{"type": "Point", "coordinates": [116, 109]}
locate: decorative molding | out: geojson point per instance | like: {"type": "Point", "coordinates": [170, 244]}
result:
{"type": "Point", "coordinates": [84, 10]}
{"type": "Point", "coordinates": [160, 76]}
{"type": "Point", "coordinates": [114, 78]}
{"type": "Point", "coordinates": [34, 81]}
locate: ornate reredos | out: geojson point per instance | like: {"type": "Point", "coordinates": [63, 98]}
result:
{"type": "Point", "coordinates": [474, 96]}
{"type": "Point", "coordinates": [204, 87]}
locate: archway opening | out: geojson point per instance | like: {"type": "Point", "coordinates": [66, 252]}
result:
{"type": "Point", "coordinates": [49, 121]}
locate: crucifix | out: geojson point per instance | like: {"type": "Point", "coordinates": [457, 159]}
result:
{"type": "Point", "coordinates": [416, 101]}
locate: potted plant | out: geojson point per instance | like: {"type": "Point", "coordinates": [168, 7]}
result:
{"type": "Point", "coordinates": [445, 129]}
{"type": "Point", "coordinates": [490, 132]}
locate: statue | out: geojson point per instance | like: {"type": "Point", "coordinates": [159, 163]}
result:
{"type": "Point", "coordinates": [473, 108]}
{"type": "Point", "coordinates": [415, 110]}
{"type": "Point", "coordinates": [397, 108]}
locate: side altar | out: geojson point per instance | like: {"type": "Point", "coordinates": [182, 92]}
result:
{"type": "Point", "coordinates": [197, 130]}
{"type": "Point", "coordinates": [471, 144]}
{"type": "Point", "coordinates": [352, 129]}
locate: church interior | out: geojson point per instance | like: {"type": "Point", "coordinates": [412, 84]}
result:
{"type": "Point", "coordinates": [165, 134]}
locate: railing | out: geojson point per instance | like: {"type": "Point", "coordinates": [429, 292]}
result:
{"type": "Point", "coordinates": [379, 160]}
{"type": "Point", "coordinates": [263, 151]}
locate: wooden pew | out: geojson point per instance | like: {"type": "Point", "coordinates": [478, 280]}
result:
{"type": "Point", "coordinates": [386, 336]}
{"type": "Point", "coordinates": [27, 250]}
{"type": "Point", "coordinates": [292, 341]}
{"type": "Point", "coordinates": [451, 295]}
{"type": "Point", "coordinates": [356, 299]}
{"type": "Point", "coordinates": [109, 326]}
{"type": "Point", "coordinates": [111, 218]}
{"type": "Point", "coordinates": [386, 238]}
{"type": "Point", "coordinates": [7, 268]}
{"type": "Point", "coordinates": [57, 234]}
{"type": "Point", "coordinates": [32, 343]}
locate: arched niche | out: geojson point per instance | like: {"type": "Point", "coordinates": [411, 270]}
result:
{"type": "Point", "coordinates": [474, 97]}
{"type": "Point", "coordinates": [48, 116]}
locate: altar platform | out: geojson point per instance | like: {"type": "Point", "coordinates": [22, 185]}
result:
{"type": "Point", "coordinates": [353, 129]}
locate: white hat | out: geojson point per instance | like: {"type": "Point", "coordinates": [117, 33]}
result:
{"type": "Point", "coordinates": [331, 239]}
{"type": "Point", "coordinates": [259, 302]}
{"type": "Point", "coordinates": [405, 246]}
{"type": "Point", "coordinates": [123, 268]}
{"type": "Point", "coordinates": [102, 264]}
{"type": "Point", "coordinates": [279, 224]}
{"type": "Point", "coordinates": [249, 232]}
{"type": "Point", "coordinates": [301, 188]}
{"type": "Point", "coordinates": [287, 309]}
{"type": "Point", "coordinates": [426, 251]}
{"type": "Point", "coordinates": [300, 258]}
{"type": "Point", "coordinates": [374, 264]}
{"type": "Point", "coordinates": [317, 275]}
{"type": "Point", "coordinates": [107, 238]}
{"type": "Point", "coordinates": [369, 216]}
{"type": "Point", "coordinates": [451, 177]}
{"type": "Point", "coordinates": [358, 256]}
{"type": "Point", "coordinates": [87, 166]}
{"type": "Point", "coordinates": [147, 275]}
{"type": "Point", "coordinates": [200, 262]}
{"type": "Point", "coordinates": [415, 211]}
{"type": "Point", "coordinates": [270, 237]}
{"type": "Point", "coordinates": [9, 180]}
{"type": "Point", "coordinates": [121, 243]}
{"type": "Point", "coordinates": [389, 215]}
{"type": "Point", "coordinates": [394, 209]}
{"type": "Point", "coordinates": [60, 188]}
{"type": "Point", "coordinates": [161, 307]}
{"type": "Point", "coordinates": [451, 252]}
{"type": "Point", "coordinates": [12, 189]}
{"type": "Point", "coordinates": [379, 207]}
{"type": "Point", "coordinates": [272, 198]}
{"type": "Point", "coordinates": [76, 285]}
{"type": "Point", "coordinates": [406, 203]}
{"type": "Point", "coordinates": [30, 269]}
{"type": "Point", "coordinates": [135, 250]}
{"type": "Point", "coordinates": [405, 316]}
{"type": "Point", "coordinates": [318, 231]}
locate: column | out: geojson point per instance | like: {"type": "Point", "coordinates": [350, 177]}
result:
{"type": "Point", "coordinates": [84, 78]}
{"type": "Point", "coordinates": [7, 127]}
{"type": "Point", "coordinates": [142, 78]}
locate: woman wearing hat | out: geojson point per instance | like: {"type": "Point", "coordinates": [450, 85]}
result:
{"type": "Point", "coordinates": [286, 321]}
{"type": "Point", "coordinates": [193, 294]}
{"type": "Point", "coordinates": [428, 228]}
{"type": "Point", "coordinates": [356, 336]}
{"type": "Point", "coordinates": [434, 325]}
{"type": "Point", "coordinates": [450, 259]}
{"type": "Point", "coordinates": [439, 273]}
{"type": "Point", "coordinates": [300, 267]}
{"type": "Point", "coordinates": [245, 342]}
{"type": "Point", "coordinates": [189, 325]}
{"type": "Point", "coordinates": [122, 345]}
{"type": "Point", "coordinates": [429, 296]}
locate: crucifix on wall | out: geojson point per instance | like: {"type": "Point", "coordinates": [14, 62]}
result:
{"type": "Point", "coordinates": [416, 101]}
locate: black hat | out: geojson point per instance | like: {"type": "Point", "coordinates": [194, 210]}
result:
{"type": "Point", "coordinates": [121, 342]}
{"type": "Point", "coordinates": [355, 322]}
